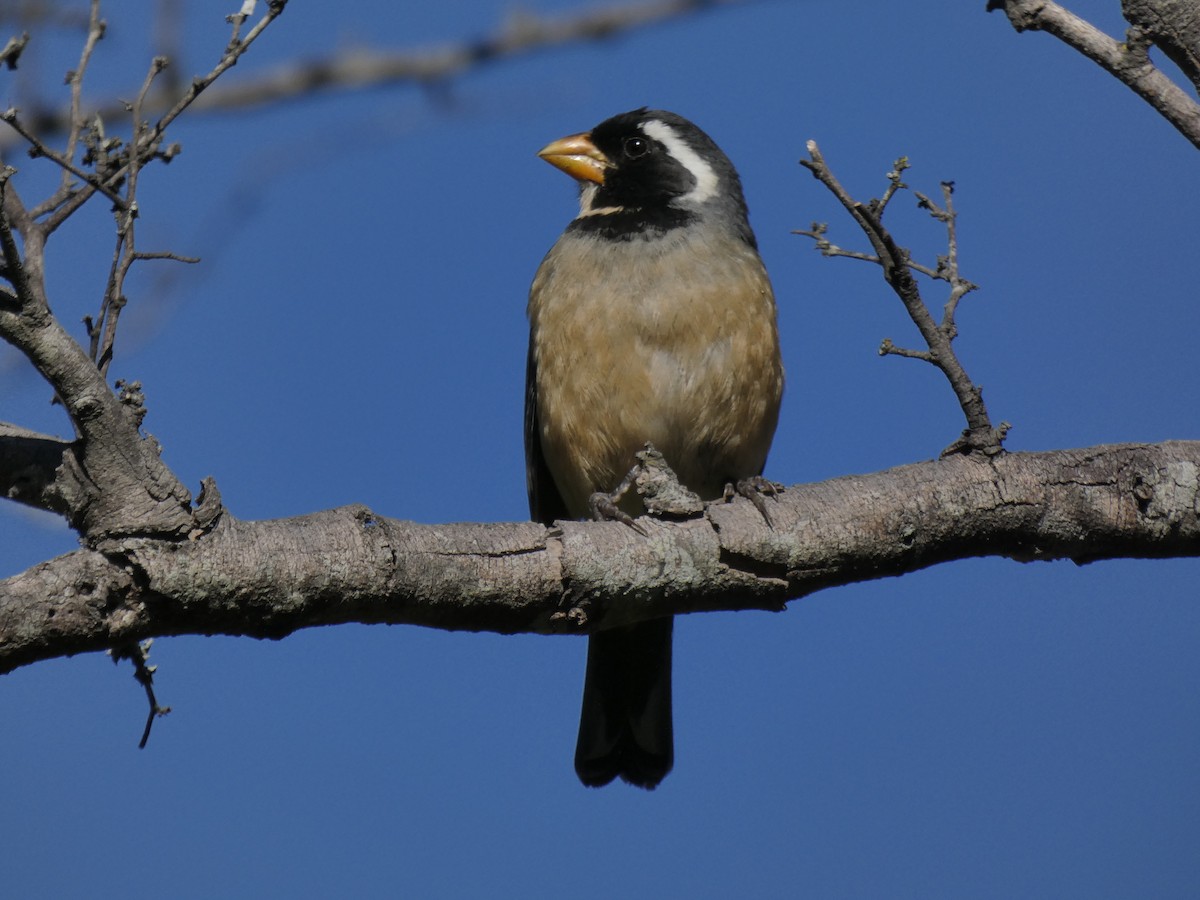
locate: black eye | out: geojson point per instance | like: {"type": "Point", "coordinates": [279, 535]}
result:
{"type": "Point", "coordinates": [635, 147]}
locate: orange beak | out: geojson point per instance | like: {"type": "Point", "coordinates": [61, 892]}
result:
{"type": "Point", "coordinates": [577, 156]}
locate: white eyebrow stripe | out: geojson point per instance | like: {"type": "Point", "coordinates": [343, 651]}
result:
{"type": "Point", "coordinates": [707, 181]}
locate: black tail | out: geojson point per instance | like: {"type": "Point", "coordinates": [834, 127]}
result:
{"type": "Point", "coordinates": [625, 725]}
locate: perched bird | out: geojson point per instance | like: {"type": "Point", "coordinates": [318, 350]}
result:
{"type": "Point", "coordinates": [651, 319]}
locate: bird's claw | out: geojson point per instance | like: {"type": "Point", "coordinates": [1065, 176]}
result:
{"type": "Point", "coordinates": [604, 508]}
{"type": "Point", "coordinates": [755, 489]}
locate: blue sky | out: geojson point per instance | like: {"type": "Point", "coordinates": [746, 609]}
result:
{"type": "Point", "coordinates": [356, 333]}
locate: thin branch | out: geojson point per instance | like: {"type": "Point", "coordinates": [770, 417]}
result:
{"type": "Point", "coordinates": [144, 147]}
{"type": "Point", "coordinates": [233, 52]}
{"type": "Point", "coordinates": [75, 124]}
{"type": "Point", "coordinates": [895, 183]}
{"type": "Point", "coordinates": [898, 267]}
{"type": "Point", "coordinates": [95, 32]}
{"type": "Point", "coordinates": [143, 674]}
{"type": "Point", "coordinates": [817, 232]}
{"type": "Point", "coordinates": [947, 268]}
{"type": "Point", "coordinates": [1128, 62]}
{"type": "Point", "coordinates": [887, 348]}
{"type": "Point", "coordinates": [38, 149]}
{"type": "Point", "coordinates": [104, 333]}
{"type": "Point", "coordinates": [165, 254]}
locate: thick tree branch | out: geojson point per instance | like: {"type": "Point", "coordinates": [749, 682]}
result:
{"type": "Point", "coordinates": [1171, 25]}
{"type": "Point", "coordinates": [29, 468]}
{"type": "Point", "coordinates": [110, 483]}
{"type": "Point", "coordinates": [268, 579]}
{"type": "Point", "coordinates": [1127, 61]}
{"type": "Point", "coordinates": [118, 484]}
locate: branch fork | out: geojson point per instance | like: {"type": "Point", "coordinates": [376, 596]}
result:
{"type": "Point", "coordinates": [111, 483]}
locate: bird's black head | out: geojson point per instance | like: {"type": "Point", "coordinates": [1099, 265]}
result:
{"type": "Point", "coordinates": [648, 171]}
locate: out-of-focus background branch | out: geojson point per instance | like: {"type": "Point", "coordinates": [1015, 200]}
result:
{"type": "Point", "coordinates": [360, 67]}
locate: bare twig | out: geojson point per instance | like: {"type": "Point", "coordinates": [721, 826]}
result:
{"type": "Point", "coordinates": [817, 232]}
{"type": "Point", "coordinates": [95, 32]}
{"type": "Point", "coordinates": [146, 146]}
{"type": "Point", "coordinates": [143, 674]}
{"type": "Point", "coordinates": [887, 348]}
{"type": "Point", "coordinates": [104, 333]}
{"type": "Point", "coordinates": [898, 267]}
{"type": "Point", "coordinates": [947, 266]}
{"type": "Point", "coordinates": [165, 254]}
{"type": "Point", "coordinates": [115, 167]}
{"type": "Point", "coordinates": [233, 52]}
{"type": "Point", "coordinates": [1128, 62]}
{"type": "Point", "coordinates": [38, 149]}
{"type": "Point", "coordinates": [75, 124]}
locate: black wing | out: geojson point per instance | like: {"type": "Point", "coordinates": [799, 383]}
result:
{"type": "Point", "coordinates": [545, 503]}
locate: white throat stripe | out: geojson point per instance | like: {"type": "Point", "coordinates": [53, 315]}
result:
{"type": "Point", "coordinates": [707, 181]}
{"type": "Point", "coordinates": [587, 194]}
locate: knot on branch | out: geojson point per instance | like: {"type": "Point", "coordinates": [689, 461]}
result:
{"type": "Point", "coordinates": [986, 441]}
{"type": "Point", "coordinates": [209, 508]}
{"type": "Point", "coordinates": [130, 394]}
{"type": "Point", "coordinates": [1022, 18]}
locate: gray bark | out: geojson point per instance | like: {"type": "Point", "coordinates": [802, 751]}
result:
{"type": "Point", "coordinates": [268, 579]}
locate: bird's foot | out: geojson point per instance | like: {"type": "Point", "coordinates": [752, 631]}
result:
{"type": "Point", "coordinates": [755, 489]}
{"type": "Point", "coordinates": [656, 483]}
{"type": "Point", "coordinates": [604, 508]}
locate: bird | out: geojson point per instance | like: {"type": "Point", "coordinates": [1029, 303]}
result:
{"type": "Point", "coordinates": [652, 319]}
